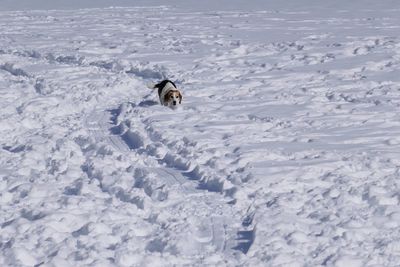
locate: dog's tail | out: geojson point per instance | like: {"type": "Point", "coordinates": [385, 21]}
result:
{"type": "Point", "coordinates": [151, 85]}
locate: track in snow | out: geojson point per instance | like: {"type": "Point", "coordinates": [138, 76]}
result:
{"type": "Point", "coordinates": [106, 129]}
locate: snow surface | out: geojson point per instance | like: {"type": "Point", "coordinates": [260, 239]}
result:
{"type": "Point", "coordinates": [284, 153]}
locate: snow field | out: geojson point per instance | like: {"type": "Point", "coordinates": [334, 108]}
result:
{"type": "Point", "coordinates": [285, 152]}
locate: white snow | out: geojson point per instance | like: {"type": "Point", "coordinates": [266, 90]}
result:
{"type": "Point", "coordinates": [284, 153]}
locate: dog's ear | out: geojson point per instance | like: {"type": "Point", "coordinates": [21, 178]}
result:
{"type": "Point", "coordinates": [167, 97]}
{"type": "Point", "coordinates": [180, 98]}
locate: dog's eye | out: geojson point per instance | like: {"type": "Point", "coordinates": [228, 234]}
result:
{"type": "Point", "coordinates": [172, 96]}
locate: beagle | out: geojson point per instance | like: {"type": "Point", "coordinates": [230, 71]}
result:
{"type": "Point", "coordinates": [169, 95]}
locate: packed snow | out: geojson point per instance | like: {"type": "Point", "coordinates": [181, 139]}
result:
{"type": "Point", "coordinates": [285, 151]}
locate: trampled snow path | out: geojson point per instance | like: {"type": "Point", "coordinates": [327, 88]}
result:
{"type": "Point", "coordinates": [285, 152]}
{"type": "Point", "coordinates": [165, 174]}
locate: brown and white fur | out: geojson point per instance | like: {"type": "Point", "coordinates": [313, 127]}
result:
{"type": "Point", "coordinates": [168, 94]}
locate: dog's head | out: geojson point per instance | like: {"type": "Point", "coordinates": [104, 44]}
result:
{"type": "Point", "coordinates": [173, 98]}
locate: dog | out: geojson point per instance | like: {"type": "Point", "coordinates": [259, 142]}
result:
{"type": "Point", "coordinates": [168, 94]}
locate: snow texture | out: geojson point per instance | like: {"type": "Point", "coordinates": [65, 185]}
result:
{"type": "Point", "coordinates": [285, 151]}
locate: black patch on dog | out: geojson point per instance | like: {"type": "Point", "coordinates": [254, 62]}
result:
{"type": "Point", "coordinates": [162, 84]}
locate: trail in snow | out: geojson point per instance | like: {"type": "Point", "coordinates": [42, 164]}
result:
{"type": "Point", "coordinates": [161, 174]}
{"type": "Point", "coordinates": [285, 151]}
